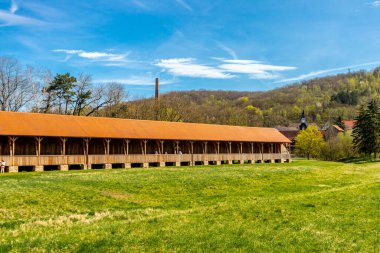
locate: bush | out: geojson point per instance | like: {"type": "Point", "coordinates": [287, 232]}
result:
{"type": "Point", "coordinates": [338, 148]}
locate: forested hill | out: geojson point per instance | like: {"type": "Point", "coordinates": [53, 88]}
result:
{"type": "Point", "coordinates": [323, 100]}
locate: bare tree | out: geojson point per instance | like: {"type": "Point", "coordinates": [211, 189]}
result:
{"type": "Point", "coordinates": [16, 85]}
{"type": "Point", "coordinates": [107, 96]}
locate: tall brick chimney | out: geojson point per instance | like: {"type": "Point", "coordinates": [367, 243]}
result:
{"type": "Point", "coordinates": [157, 88]}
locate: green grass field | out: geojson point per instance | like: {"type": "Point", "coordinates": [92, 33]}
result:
{"type": "Point", "coordinates": [305, 206]}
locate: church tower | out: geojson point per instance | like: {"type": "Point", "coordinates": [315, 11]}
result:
{"type": "Point", "coordinates": [303, 124]}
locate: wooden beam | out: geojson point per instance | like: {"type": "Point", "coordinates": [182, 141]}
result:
{"type": "Point", "coordinates": [205, 147]}
{"type": "Point", "coordinates": [162, 146]}
{"type": "Point", "coordinates": [106, 143]}
{"type": "Point", "coordinates": [143, 146]}
{"type": "Point", "coordinates": [177, 146]}
{"type": "Point", "coordinates": [192, 147]}
{"type": "Point", "coordinates": [230, 147]}
{"type": "Point", "coordinates": [38, 141]}
{"type": "Point", "coordinates": [126, 146]}
{"type": "Point", "coordinates": [63, 147]}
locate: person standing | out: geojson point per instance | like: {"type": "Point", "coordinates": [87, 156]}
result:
{"type": "Point", "coordinates": [2, 166]}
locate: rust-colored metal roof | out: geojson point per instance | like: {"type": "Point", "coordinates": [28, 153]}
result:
{"type": "Point", "coordinates": [36, 124]}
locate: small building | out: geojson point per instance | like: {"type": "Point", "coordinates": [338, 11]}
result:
{"type": "Point", "coordinates": [349, 124]}
{"type": "Point", "coordinates": [37, 142]}
{"type": "Point", "coordinates": [330, 131]}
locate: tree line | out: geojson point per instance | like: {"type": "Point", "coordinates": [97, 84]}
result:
{"type": "Point", "coordinates": [364, 139]}
{"type": "Point", "coordinates": [29, 89]}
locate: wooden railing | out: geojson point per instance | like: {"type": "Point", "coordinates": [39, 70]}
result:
{"type": "Point", "coordinates": [135, 158]}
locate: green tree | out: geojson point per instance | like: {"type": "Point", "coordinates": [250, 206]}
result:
{"type": "Point", "coordinates": [309, 142]}
{"type": "Point", "coordinates": [60, 92]}
{"type": "Point", "coordinates": [366, 132]}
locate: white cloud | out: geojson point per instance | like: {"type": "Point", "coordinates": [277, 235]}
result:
{"type": "Point", "coordinates": [10, 19]}
{"type": "Point", "coordinates": [254, 69]}
{"type": "Point", "coordinates": [184, 5]}
{"type": "Point", "coordinates": [136, 80]}
{"type": "Point", "coordinates": [320, 72]}
{"type": "Point", "coordinates": [110, 59]}
{"type": "Point", "coordinates": [14, 7]}
{"type": "Point", "coordinates": [188, 68]}
{"type": "Point", "coordinates": [375, 4]}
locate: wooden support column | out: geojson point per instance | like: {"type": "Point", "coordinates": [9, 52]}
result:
{"type": "Point", "coordinates": [38, 166]}
{"type": "Point", "coordinates": [86, 142]}
{"type": "Point", "coordinates": [162, 146]}
{"type": "Point", "coordinates": [241, 147]}
{"type": "Point", "coordinates": [143, 146]}
{"type": "Point", "coordinates": [177, 146]}
{"type": "Point", "coordinates": [63, 147]}
{"type": "Point", "coordinates": [252, 148]}
{"type": "Point", "coordinates": [229, 147]}
{"type": "Point", "coordinates": [127, 163]}
{"type": "Point", "coordinates": [126, 146]}
{"type": "Point", "coordinates": [12, 148]}
{"type": "Point", "coordinates": [216, 146]}
{"type": "Point", "coordinates": [106, 143]}
{"type": "Point", "coordinates": [262, 152]}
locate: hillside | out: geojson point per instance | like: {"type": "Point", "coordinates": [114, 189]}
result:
{"type": "Point", "coordinates": [323, 100]}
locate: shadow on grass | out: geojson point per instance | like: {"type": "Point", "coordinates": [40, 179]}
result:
{"type": "Point", "coordinates": [360, 160]}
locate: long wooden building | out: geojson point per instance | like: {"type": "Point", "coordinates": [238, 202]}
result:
{"type": "Point", "coordinates": [38, 142]}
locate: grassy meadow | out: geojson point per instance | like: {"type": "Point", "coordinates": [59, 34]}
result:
{"type": "Point", "coordinates": [305, 206]}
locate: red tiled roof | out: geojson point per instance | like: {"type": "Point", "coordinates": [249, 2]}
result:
{"type": "Point", "coordinates": [349, 124]}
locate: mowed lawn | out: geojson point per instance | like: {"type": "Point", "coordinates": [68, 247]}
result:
{"type": "Point", "coordinates": [305, 206]}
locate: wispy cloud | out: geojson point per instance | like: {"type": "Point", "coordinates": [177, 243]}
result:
{"type": "Point", "coordinates": [110, 59]}
{"type": "Point", "coordinates": [254, 69]}
{"type": "Point", "coordinates": [325, 71]}
{"type": "Point", "coordinates": [14, 7]}
{"type": "Point", "coordinates": [184, 4]}
{"type": "Point", "coordinates": [231, 52]}
{"type": "Point", "coordinates": [187, 67]}
{"type": "Point", "coordinates": [375, 4]}
{"type": "Point", "coordinates": [10, 19]}
{"type": "Point", "coordinates": [140, 4]}
{"type": "Point", "coordinates": [136, 80]}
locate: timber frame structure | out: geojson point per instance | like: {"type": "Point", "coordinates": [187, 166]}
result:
{"type": "Point", "coordinates": [38, 142]}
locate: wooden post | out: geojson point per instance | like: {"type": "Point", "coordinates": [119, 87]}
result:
{"type": "Point", "coordinates": [241, 147]}
{"type": "Point", "coordinates": [192, 147]}
{"type": "Point", "coordinates": [252, 148]}
{"type": "Point", "coordinates": [85, 151]}
{"type": "Point", "coordinates": [217, 147]}
{"type": "Point", "coordinates": [38, 148]}
{"type": "Point", "coordinates": [230, 147]}
{"type": "Point", "coordinates": [143, 146]}
{"type": "Point", "coordinates": [106, 143]}
{"type": "Point", "coordinates": [12, 148]}
{"type": "Point", "coordinates": [262, 152]}
{"type": "Point", "coordinates": [162, 146]}
{"type": "Point", "coordinates": [205, 148]}
{"type": "Point", "coordinates": [63, 147]}
{"type": "Point", "coordinates": [126, 146]}
{"type": "Point", "coordinates": [177, 146]}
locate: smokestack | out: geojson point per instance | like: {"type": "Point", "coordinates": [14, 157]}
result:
{"type": "Point", "coordinates": [157, 88]}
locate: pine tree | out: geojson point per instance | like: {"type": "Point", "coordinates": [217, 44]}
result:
{"type": "Point", "coordinates": [366, 131]}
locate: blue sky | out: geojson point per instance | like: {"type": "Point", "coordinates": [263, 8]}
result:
{"type": "Point", "coordinates": [193, 44]}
